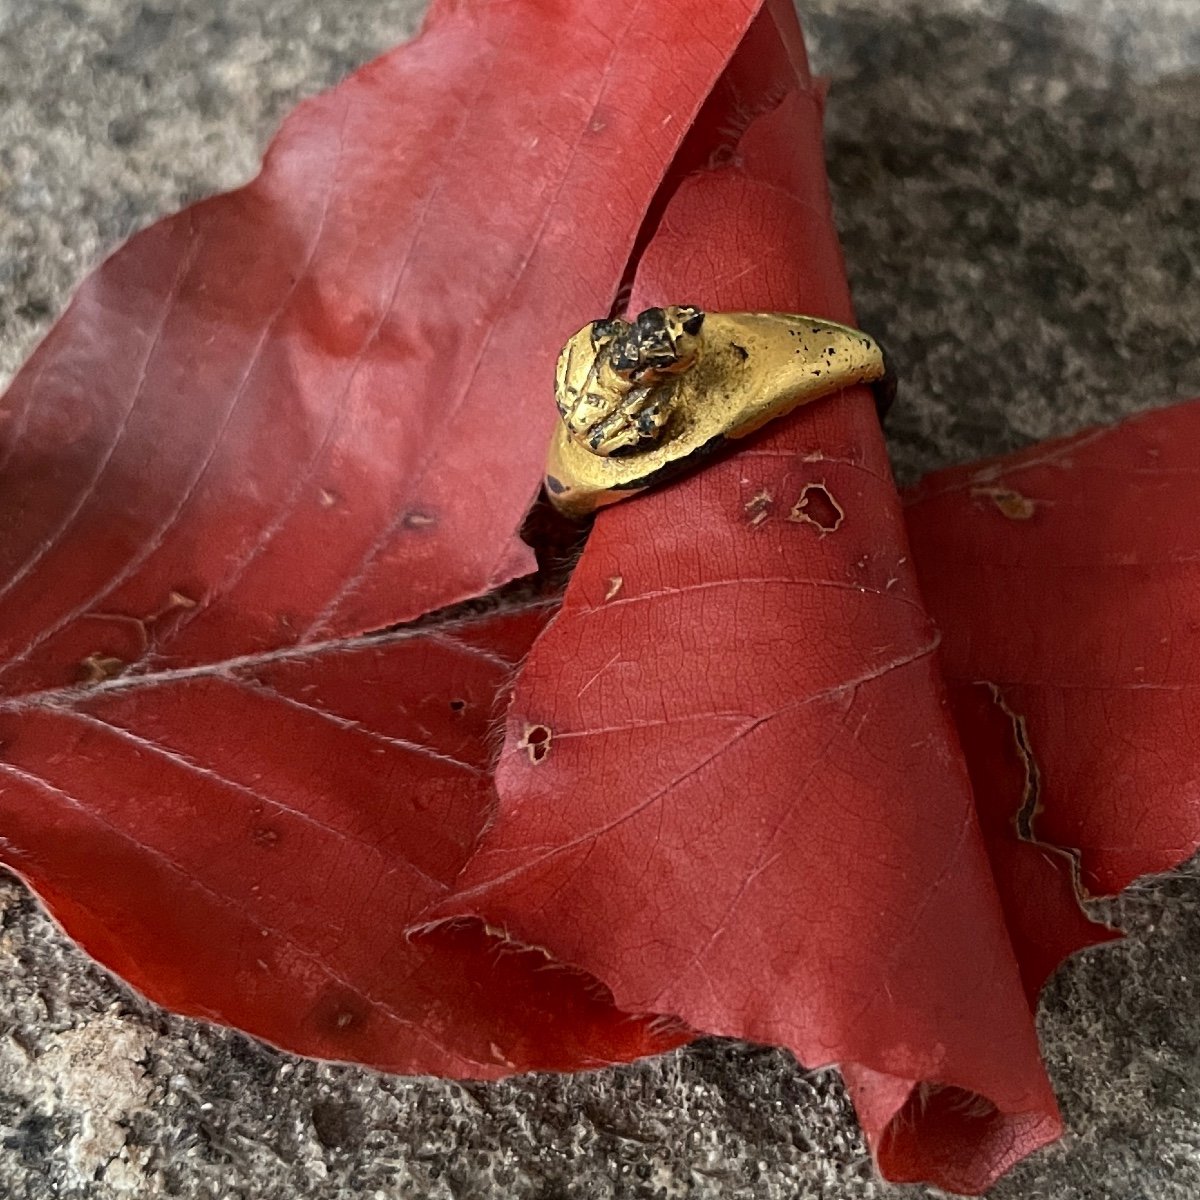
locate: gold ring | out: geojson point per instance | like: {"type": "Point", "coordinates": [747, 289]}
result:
{"type": "Point", "coordinates": [642, 401]}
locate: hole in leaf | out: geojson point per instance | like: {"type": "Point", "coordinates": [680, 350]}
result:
{"type": "Point", "coordinates": [536, 742]}
{"type": "Point", "coordinates": [817, 507]}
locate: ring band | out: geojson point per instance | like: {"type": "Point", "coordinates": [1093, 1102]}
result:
{"type": "Point", "coordinates": [643, 401]}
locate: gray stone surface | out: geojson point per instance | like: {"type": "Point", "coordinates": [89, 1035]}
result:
{"type": "Point", "coordinates": [1019, 191]}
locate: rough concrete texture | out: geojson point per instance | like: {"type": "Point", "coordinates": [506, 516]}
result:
{"type": "Point", "coordinates": [1019, 192]}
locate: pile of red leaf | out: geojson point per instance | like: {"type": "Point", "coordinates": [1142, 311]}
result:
{"type": "Point", "coordinates": [767, 771]}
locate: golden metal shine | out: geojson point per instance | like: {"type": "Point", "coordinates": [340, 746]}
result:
{"type": "Point", "coordinates": [646, 400]}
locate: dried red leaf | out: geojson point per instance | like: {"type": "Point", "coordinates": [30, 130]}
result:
{"type": "Point", "coordinates": [263, 420]}
{"type": "Point", "coordinates": [315, 406]}
{"type": "Point", "coordinates": [1079, 621]}
{"type": "Point", "coordinates": [799, 861]}
{"type": "Point", "coordinates": [248, 842]}
{"type": "Point", "coordinates": [770, 830]}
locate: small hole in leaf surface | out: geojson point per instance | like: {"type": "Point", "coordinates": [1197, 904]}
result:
{"type": "Point", "coordinates": [816, 506]}
{"type": "Point", "coordinates": [536, 742]}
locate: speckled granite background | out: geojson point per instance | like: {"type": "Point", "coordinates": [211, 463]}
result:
{"type": "Point", "coordinates": [1018, 186]}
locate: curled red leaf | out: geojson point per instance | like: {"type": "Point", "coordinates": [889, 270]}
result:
{"type": "Point", "coordinates": [798, 859]}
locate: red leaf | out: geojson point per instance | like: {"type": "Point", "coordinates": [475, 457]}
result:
{"type": "Point", "coordinates": [311, 407]}
{"type": "Point", "coordinates": [1066, 580]}
{"type": "Point", "coordinates": [276, 404]}
{"type": "Point", "coordinates": [799, 861]}
{"type": "Point", "coordinates": [247, 843]}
